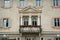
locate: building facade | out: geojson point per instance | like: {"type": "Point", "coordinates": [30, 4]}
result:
{"type": "Point", "coordinates": [29, 19]}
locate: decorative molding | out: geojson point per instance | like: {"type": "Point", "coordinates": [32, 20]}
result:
{"type": "Point", "coordinates": [30, 26]}
{"type": "Point", "coordinates": [5, 28]}
{"type": "Point", "coordinates": [30, 9]}
{"type": "Point", "coordinates": [10, 33]}
{"type": "Point", "coordinates": [56, 17]}
{"type": "Point", "coordinates": [51, 32]}
{"type": "Point", "coordinates": [21, 8]}
{"type": "Point", "coordinates": [38, 7]}
{"type": "Point", "coordinates": [56, 27]}
{"type": "Point", "coordinates": [6, 7]}
{"type": "Point", "coordinates": [55, 6]}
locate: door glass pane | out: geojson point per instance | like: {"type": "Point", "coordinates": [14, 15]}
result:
{"type": "Point", "coordinates": [25, 21]}
{"type": "Point", "coordinates": [34, 21]}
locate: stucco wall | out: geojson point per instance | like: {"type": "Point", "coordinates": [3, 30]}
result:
{"type": "Point", "coordinates": [48, 13]}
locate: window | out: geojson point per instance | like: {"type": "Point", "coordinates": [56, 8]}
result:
{"type": "Point", "coordinates": [5, 22]}
{"type": "Point", "coordinates": [7, 3]}
{"type": "Point", "coordinates": [55, 2]}
{"type": "Point", "coordinates": [25, 20]}
{"type": "Point", "coordinates": [21, 2]}
{"type": "Point", "coordinates": [30, 38]}
{"type": "Point", "coordinates": [58, 38]}
{"type": "Point", "coordinates": [56, 21]}
{"type": "Point", "coordinates": [41, 38]}
{"type": "Point", "coordinates": [34, 21]}
{"type": "Point", "coordinates": [37, 2]}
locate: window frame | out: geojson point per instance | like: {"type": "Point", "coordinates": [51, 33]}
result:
{"type": "Point", "coordinates": [57, 37]}
{"type": "Point", "coordinates": [25, 20]}
{"type": "Point", "coordinates": [55, 3]}
{"type": "Point", "coordinates": [6, 23]}
{"type": "Point", "coordinates": [21, 3]}
{"type": "Point", "coordinates": [34, 19]}
{"type": "Point", "coordinates": [7, 3]}
{"type": "Point", "coordinates": [38, 2]}
{"type": "Point", "coordinates": [57, 22]}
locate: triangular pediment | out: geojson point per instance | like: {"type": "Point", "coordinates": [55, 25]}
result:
{"type": "Point", "coordinates": [30, 9]}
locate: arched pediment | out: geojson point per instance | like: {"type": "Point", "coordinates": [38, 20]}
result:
{"type": "Point", "coordinates": [29, 10]}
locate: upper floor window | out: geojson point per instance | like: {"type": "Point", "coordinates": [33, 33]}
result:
{"type": "Point", "coordinates": [57, 22]}
{"type": "Point", "coordinates": [37, 2]}
{"type": "Point", "coordinates": [34, 21]}
{"type": "Point", "coordinates": [58, 38]}
{"type": "Point", "coordinates": [5, 22]}
{"type": "Point", "coordinates": [21, 3]}
{"type": "Point", "coordinates": [56, 2]}
{"type": "Point", "coordinates": [7, 3]}
{"type": "Point", "coordinates": [25, 18]}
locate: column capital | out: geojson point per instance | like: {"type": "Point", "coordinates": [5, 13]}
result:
{"type": "Point", "coordinates": [21, 16]}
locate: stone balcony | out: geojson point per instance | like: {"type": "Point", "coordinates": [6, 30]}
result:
{"type": "Point", "coordinates": [29, 29]}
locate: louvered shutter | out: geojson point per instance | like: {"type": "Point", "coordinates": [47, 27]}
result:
{"type": "Point", "coordinates": [9, 22]}
{"type": "Point", "coordinates": [1, 22]}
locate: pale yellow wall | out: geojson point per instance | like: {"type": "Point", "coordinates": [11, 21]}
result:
{"type": "Point", "coordinates": [47, 16]}
{"type": "Point", "coordinates": [13, 15]}
{"type": "Point", "coordinates": [48, 13]}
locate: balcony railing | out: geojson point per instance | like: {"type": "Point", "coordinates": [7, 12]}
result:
{"type": "Point", "coordinates": [32, 29]}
